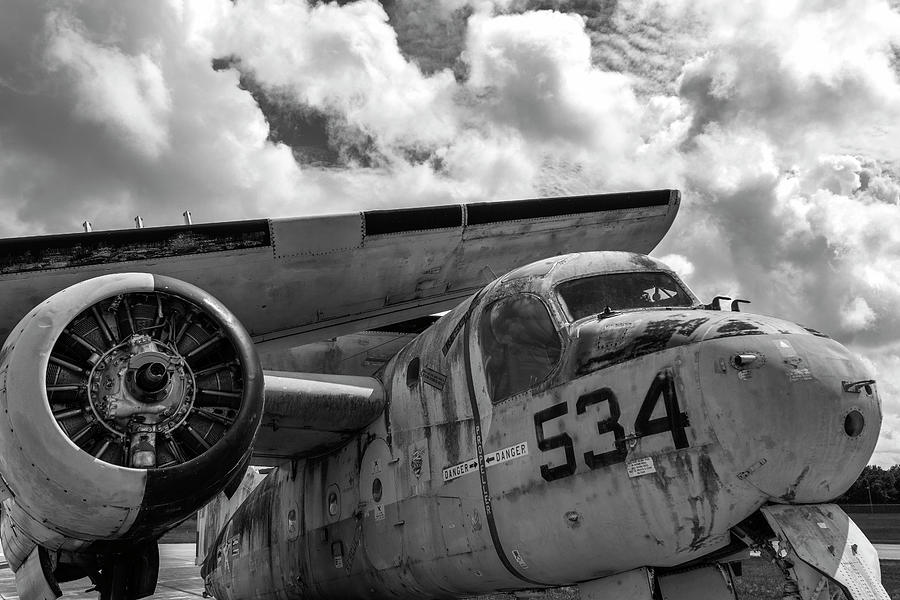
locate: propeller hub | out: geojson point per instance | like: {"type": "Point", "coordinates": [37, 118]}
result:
{"type": "Point", "coordinates": [141, 386]}
{"type": "Point", "coordinates": [152, 378]}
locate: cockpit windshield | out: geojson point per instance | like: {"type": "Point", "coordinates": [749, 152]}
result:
{"type": "Point", "coordinates": [620, 291]}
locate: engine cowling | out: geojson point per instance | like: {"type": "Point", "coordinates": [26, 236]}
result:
{"type": "Point", "coordinates": [127, 402]}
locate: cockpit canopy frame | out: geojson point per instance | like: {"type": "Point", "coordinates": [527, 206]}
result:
{"type": "Point", "coordinates": [526, 317]}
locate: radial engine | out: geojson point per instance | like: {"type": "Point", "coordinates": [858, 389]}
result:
{"type": "Point", "coordinates": [126, 403]}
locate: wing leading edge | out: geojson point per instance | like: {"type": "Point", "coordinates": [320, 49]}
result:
{"type": "Point", "coordinates": [292, 281]}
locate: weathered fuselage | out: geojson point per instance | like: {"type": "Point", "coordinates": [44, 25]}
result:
{"type": "Point", "coordinates": [641, 440]}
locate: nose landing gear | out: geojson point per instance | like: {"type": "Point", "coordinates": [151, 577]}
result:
{"type": "Point", "coordinates": [130, 575]}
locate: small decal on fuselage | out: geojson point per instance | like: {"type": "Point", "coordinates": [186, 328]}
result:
{"type": "Point", "coordinates": [419, 464]}
{"type": "Point", "coordinates": [434, 378]}
{"type": "Point", "coordinates": [415, 463]}
{"type": "Point", "coordinates": [519, 559]}
{"type": "Point", "coordinates": [491, 459]}
{"type": "Point", "coordinates": [453, 334]}
{"type": "Point", "coordinates": [801, 374]}
{"type": "Point", "coordinates": [785, 348]}
{"type": "Point", "coordinates": [748, 472]}
{"type": "Point", "coordinates": [499, 456]}
{"type": "Point", "coordinates": [799, 370]}
{"type": "Point", "coordinates": [460, 469]}
{"type": "Point", "coordinates": [640, 466]}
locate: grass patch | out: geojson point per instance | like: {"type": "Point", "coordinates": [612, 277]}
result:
{"type": "Point", "coordinates": [890, 578]}
{"type": "Point", "coordinates": [762, 580]}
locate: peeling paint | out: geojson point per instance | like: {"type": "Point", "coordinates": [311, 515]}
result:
{"type": "Point", "coordinates": [644, 334]}
{"type": "Point", "coordinates": [63, 251]}
{"type": "Point", "coordinates": [736, 327]}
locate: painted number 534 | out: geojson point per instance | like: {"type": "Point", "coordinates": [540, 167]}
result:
{"type": "Point", "coordinates": [675, 421]}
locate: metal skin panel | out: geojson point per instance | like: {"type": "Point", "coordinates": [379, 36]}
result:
{"type": "Point", "coordinates": [797, 400]}
{"type": "Point", "coordinates": [583, 514]}
{"type": "Point", "coordinates": [34, 579]}
{"type": "Point", "coordinates": [54, 492]}
{"type": "Point", "coordinates": [630, 585]}
{"type": "Point", "coordinates": [16, 545]}
{"type": "Point", "coordinates": [24, 531]}
{"type": "Point", "coordinates": [246, 546]}
{"type": "Point", "coordinates": [709, 583]}
{"type": "Point", "coordinates": [455, 530]}
{"type": "Point", "coordinates": [361, 354]}
{"type": "Point", "coordinates": [831, 545]}
{"type": "Point", "coordinates": [382, 532]}
{"type": "Point", "coordinates": [294, 288]}
{"type": "Point", "coordinates": [631, 453]}
{"type": "Point", "coordinates": [213, 517]}
{"type": "Point", "coordinates": [332, 408]}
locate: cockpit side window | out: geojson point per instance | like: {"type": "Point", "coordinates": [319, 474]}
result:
{"type": "Point", "coordinates": [621, 291]}
{"type": "Point", "coordinates": [519, 344]}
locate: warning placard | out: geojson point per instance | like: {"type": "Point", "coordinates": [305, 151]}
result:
{"type": "Point", "coordinates": [460, 469]}
{"type": "Point", "coordinates": [499, 456]}
{"type": "Point", "coordinates": [640, 466]}
{"type": "Point", "coordinates": [490, 459]}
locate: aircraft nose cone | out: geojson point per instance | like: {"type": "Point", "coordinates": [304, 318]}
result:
{"type": "Point", "coordinates": [797, 412]}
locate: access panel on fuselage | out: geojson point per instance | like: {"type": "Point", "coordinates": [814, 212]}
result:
{"type": "Point", "coordinates": [447, 543]}
{"type": "Point", "coordinates": [378, 493]}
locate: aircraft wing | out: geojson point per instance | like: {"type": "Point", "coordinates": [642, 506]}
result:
{"type": "Point", "coordinates": [296, 280]}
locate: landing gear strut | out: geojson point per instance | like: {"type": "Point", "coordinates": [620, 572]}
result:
{"type": "Point", "coordinates": [129, 576]}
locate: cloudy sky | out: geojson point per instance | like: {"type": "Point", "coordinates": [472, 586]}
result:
{"type": "Point", "coordinates": [778, 121]}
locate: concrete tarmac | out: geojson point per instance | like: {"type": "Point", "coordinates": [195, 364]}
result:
{"type": "Point", "coordinates": [179, 578]}
{"type": "Point", "coordinates": [888, 551]}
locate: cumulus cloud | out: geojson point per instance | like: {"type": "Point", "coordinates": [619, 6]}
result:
{"type": "Point", "coordinates": [341, 58]}
{"type": "Point", "coordinates": [126, 93]}
{"type": "Point", "coordinates": [527, 106]}
{"type": "Point", "coordinates": [777, 122]}
{"type": "Point", "coordinates": [111, 114]}
{"type": "Point", "coordinates": [532, 72]}
{"type": "Point", "coordinates": [857, 314]}
{"type": "Point", "coordinates": [680, 264]}
{"type": "Point", "coordinates": [801, 226]}
{"type": "Point", "coordinates": [809, 76]}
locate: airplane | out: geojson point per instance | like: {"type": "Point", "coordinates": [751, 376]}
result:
{"type": "Point", "coordinates": [577, 418]}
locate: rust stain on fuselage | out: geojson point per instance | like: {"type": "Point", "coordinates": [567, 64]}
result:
{"type": "Point", "coordinates": [738, 327]}
{"type": "Point", "coordinates": [641, 334]}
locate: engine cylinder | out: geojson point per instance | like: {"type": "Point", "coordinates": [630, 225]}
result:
{"type": "Point", "coordinates": [127, 402]}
